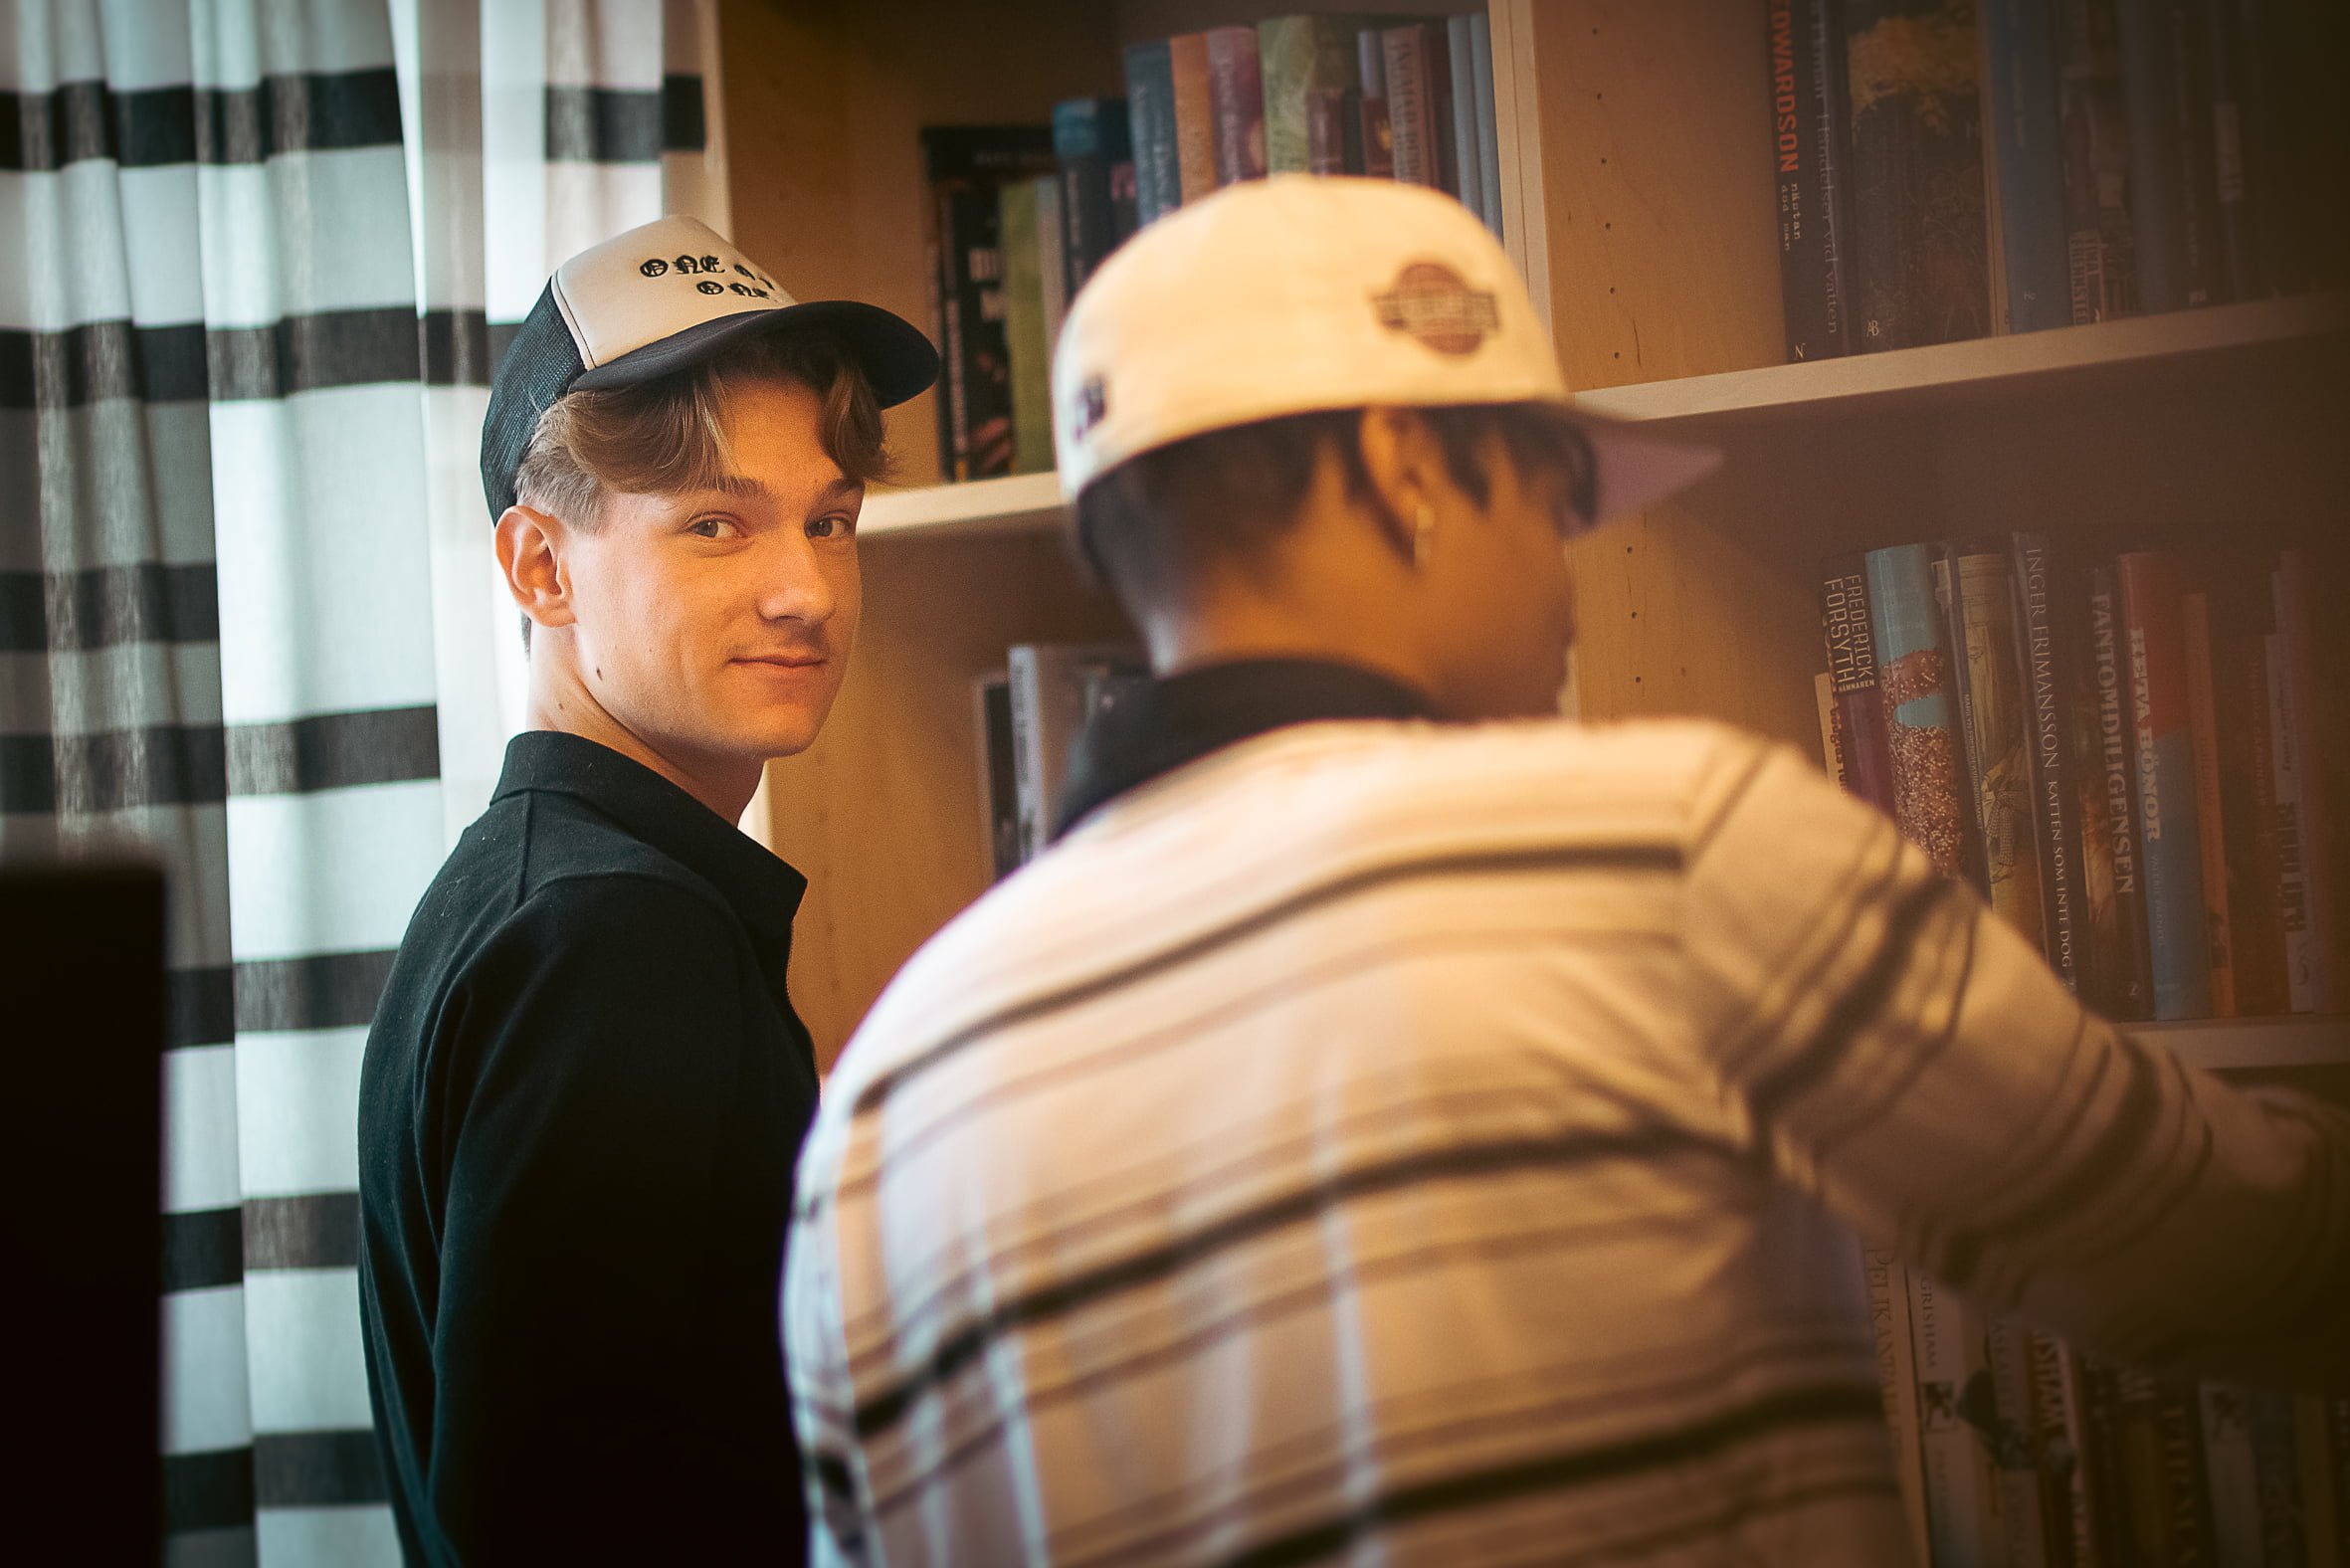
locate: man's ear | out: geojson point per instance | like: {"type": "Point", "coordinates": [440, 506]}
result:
{"type": "Point", "coordinates": [530, 558]}
{"type": "Point", "coordinates": [1394, 445]}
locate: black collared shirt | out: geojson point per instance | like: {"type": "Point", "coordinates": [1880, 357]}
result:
{"type": "Point", "coordinates": [1178, 720]}
{"type": "Point", "coordinates": [579, 1110]}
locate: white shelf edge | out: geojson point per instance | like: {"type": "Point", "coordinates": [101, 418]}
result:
{"type": "Point", "coordinates": [1945, 366]}
{"type": "Point", "coordinates": [2300, 1039]}
{"type": "Point", "coordinates": [1016, 500]}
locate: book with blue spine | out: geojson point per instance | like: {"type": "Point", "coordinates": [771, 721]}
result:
{"type": "Point", "coordinates": [1914, 670]}
{"type": "Point", "coordinates": [1150, 115]}
{"type": "Point", "coordinates": [2020, 45]}
{"type": "Point", "coordinates": [2163, 764]}
{"type": "Point", "coordinates": [1092, 138]}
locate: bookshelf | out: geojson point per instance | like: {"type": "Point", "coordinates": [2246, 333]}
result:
{"type": "Point", "coordinates": [1633, 152]}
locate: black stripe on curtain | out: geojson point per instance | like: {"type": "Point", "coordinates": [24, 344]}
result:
{"type": "Point", "coordinates": [282, 1469]}
{"type": "Point", "coordinates": [206, 1249]}
{"type": "Point", "coordinates": [208, 1006]}
{"type": "Point", "coordinates": [153, 126]}
{"type": "Point", "coordinates": [168, 364]}
{"type": "Point", "coordinates": [75, 612]}
{"type": "Point", "coordinates": [624, 124]}
{"type": "Point", "coordinates": [199, 1007]}
{"type": "Point", "coordinates": [202, 764]}
{"type": "Point", "coordinates": [463, 347]}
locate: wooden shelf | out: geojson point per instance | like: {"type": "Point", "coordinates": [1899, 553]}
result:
{"type": "Point", "coordinates": [1955, 373]}
{"type": "Point", "coordinates": [2303, 1039]}
{"type": "Point", "coordinates": [1019, 501]}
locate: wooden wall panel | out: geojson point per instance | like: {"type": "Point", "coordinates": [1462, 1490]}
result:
{"type": "Point", "coordinates": [1656, 188]}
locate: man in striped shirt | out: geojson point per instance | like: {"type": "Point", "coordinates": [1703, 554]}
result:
{"type": "Point", "coordinates": [1392, 1125]}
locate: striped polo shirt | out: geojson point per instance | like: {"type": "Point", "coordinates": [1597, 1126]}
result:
{"type": "Point", "coordinates": [1369, 1139]}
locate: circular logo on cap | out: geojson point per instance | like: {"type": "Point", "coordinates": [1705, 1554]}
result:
{"type": "Point", "coordinates": [1436, 306]}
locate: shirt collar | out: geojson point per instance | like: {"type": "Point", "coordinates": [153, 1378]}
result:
{"type": "Point", "coordinates": [1166, 723]}
{"type": "Point", "coordinates": [763, 890]}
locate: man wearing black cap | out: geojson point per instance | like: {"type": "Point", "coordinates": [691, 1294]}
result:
{"type": "Point", "coordinates": [585, 1083]}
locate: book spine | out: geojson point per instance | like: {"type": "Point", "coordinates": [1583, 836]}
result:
{"type": "Point", "coordinates": [1378, 133]}
{"type": "Point", "coordinates": [999, 781]}
{"type": "Point", "coordinates": [1150, 113]}
{"type": "Point", "coordinates": [1089, 136]}
{"type": "Point", "coordinates": [2277, 1479]}
{"type": "Point", "coordinates": [2164, 766]}
{"type": "Point", "coordinates": [2056, 792]}
{"type": "Point", "coordinates": [2170, 157]}
{"type": "Point", "coordinates": [1920, 247]}
{"type": "Point", "coordinates": [2110, 1459]}
{"type": "Point", "coordinates": [1489, 144]}
{"type": "Point", "coordinates": [1994, 720]}
{"type": "Point", "coordinates": [1832, 730]}
{"type": "Point", "coordinates": [1461, 97]}
{"type": "Point", "coordinates": [2325, 1513]}
{"type": "Point", "coordinates": [2230, 1472]}
{"type": "Point", "coordinates": [1887, 1283]}
{"type": "Point", "coordinates": [1051, 257]}
{"type": "Point", "coordinates": [2309, 905]}
{"type": "Point", "coordinates": [1193, 87]}
{"type": "Point", "coordinates": [1030, 767]}
{"type": "Point", "coordinates": [1285, 50]}
{"type": "Point", "coordinates": [2020, 41]}
{"type": "Point", "coordinates": [1236, 86]}
{"type": "Point", "coordinates": [1436, 85]}
{"type": "Point", "coordinates": [1411, 122]}
{"type": "Point", "coordinates": [1852, 668]}
{"type": "Point", "coordinates": [2186, 1493]}
{"type": "Point", "coordinates": [2023, 1517]}
{"type": "Point", "coordinates": [1962, 1519]}
{"type": "Point", "coordinates": [2126, 969]}
{"type": "Point", "coordinates": [2337, 1426]}
{"type": "Point", "coordinates": [2241, 621]}
{"type": "Point", "coordinates": [2099, 244]}
{"type": "Point", "coordinates": [978, 378]}
{"type": "Point", "coordinates": [1807, 135]}
{"type": "Point", "coordinates": [1024, 328]}
{"type": "Point", "coordinates": [2060, 1439]}
{"type": "Point", "coordinates": [1921, 726]}
{"type": "Point", "coordinates": [2211, 832]}
{"type": "Point", "coordinates": [2235, 221]}
{"type": "Point", "coordinates": [946, 302]}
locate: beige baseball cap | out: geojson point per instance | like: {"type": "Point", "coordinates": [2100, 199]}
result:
{"type": "Point", "coordinates": [1302, 292]}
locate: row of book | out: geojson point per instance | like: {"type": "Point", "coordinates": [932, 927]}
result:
{"type": "Point", "coordinates": [2017, 1452]}
{"type": "Point", "coordinates": [1953, 169]}
{"type": "Point", "coordinates": [1029, 715]}
{"type": "Point", "coordinates": [1020, 216]}
{"type": "Point", "coordinates": [2124, 758]}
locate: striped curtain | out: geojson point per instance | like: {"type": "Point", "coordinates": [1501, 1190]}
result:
{"type": "Point", "coordinates": [242, 547]}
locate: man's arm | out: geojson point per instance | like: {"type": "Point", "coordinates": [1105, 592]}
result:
{"type": "Point", "coordinates": [1891, 1046]}
{"type": "Point", "coordinates": [588, 1080]}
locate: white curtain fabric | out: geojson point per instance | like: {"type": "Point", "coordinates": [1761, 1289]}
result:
{"type": "Point", "coordinates": [248, 614]}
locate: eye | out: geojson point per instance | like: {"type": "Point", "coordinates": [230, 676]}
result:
{"type": "Point", "coordinates": [832, 527]}
{"type": "Point", "coordinates": [713, 529]}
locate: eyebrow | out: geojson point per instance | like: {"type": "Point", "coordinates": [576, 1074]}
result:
{"type": "Point", "coordinates": [745, 487]}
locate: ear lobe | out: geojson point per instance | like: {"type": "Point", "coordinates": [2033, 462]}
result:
{"type": "Point", "coordinates": [1395, 493]}
{"type": "Point", "coordinates": [529, 557]}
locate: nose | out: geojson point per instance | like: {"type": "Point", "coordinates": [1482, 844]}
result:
{"type": "Point", "coordinates": [794, 585]}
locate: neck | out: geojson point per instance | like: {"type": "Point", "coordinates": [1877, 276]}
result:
{"type": "Point", "coordinates": [561, 700]}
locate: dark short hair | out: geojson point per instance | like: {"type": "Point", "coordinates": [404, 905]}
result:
{"type": "Point", "coordinates": [1161, 519]}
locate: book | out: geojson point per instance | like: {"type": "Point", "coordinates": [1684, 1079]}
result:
{"type": "Point", "coordinates": [2203, 722]}
{"type": "Point", "coordinates": [2051, 754]}
{"type": "Point", "coordinates": [2021, 105]}
{"type": "Point", "coordinates": [1913, 672]}
{"type": "Point", "coordinates": [1832, 730]}
{"type": "Point", "coordinates": [1886, 1280]}
{"type": "Point", "coordinates": [1806, 49]}
{"type": "Point", "coordinates": [1052, 257]}
{"type": "Point", "coordinates": [1026, 340]}
{"type": "Point", "coordinates": [1920, 245]}
{"type": "Point", "coordinates": [2229, 1472]}
{"type": "Point", "coordinates": [1468, 181]}
{"type": "Point", "coordinates": [2236, 231]}
{"type": "Point", "coordinates": [1150, 115]}
{"type": "Point", "coordinates": [1957, 1422]}
{"type": "Point", "coordinates": [1851, 673]}
{"type": "Point", "coordinates": [1489, 136]}
{"type": "Point", "coordinates": [1050, 683]}
{"type": "Point", "coordinates": [1995, 724]}
{"type": "Point", "coordinates": [1308, 66]}
{"type": "Point", "coordinates": [1236, 91]}
{"type": "Point", "coordinates": [999, 786]}
{"type": "Point", "coordinates": [2023, 1517]}
{"type": "Point", "coordinates": [2307, 835]}
{"type": "Point", "coordinates": [2277, 1479]}
{"type": "Point", "coordinates": [2060, 1440]}
{"type": "Point", "coordinates": [1378, 135]}
{"type": "Point", "coordinates": [2119, 954]}
{"type": "Point", "coordinates": [2172, 178]}
{"type": "Point", "coordinates": [1411, 105]}
{"type": "Point", "coordinates": [2186, 1500]}
{"type": "Point", "coordinates": [2163, 766]}
{"type": "Point", "coordinates": [1091, 139]}
{"type": "Point", "coordinates": [2243, 620]}
{"type": "Point", "coordinates": [2100, 266]}
{"type": "Point", "coordinates": [1191, 79]}
{"type": "Point", "coordinates": [964, 167]}
{"type": "Point", "coordinates": [2325, 1513]}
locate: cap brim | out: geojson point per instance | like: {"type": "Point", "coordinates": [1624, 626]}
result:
{"type": "Point", "coordinates": [895, 355]}
{"type": "Point", "coordinates": [1636, 471]}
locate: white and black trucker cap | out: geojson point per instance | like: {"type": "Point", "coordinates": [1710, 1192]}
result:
{"type": "Point", "coordinates": [659, 299]}
{"type": "Point", "coordinates": [1301, 294]}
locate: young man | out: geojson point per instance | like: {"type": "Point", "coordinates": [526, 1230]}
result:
{"type": "Point", "coordinates": [1394, 1124]}
{"type": "Point", "coordinates": [585, 1083]}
